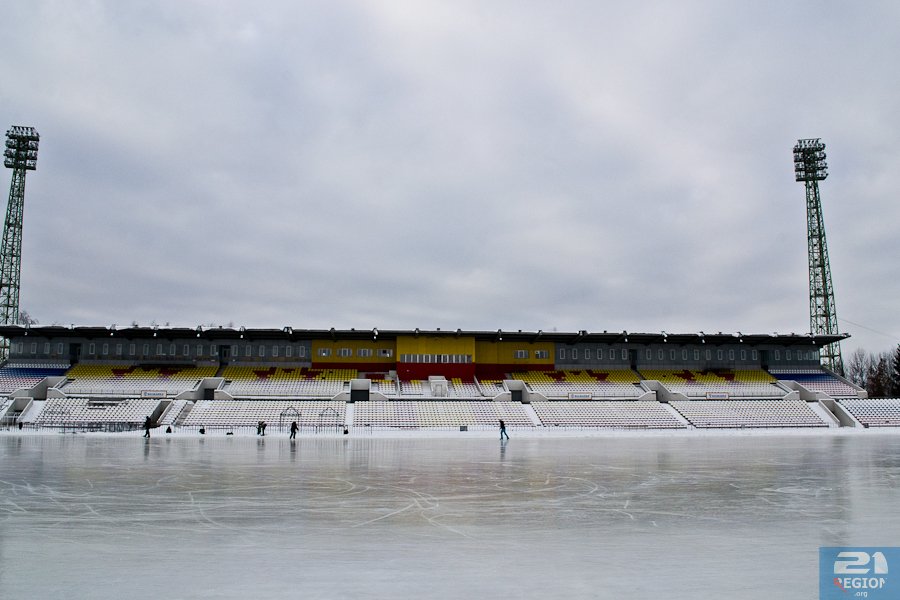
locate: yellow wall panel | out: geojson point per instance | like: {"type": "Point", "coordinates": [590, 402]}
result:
{"type": "Point", "coordinates": [504, 353]}
{"type": "Point", "coordinates": [435, 345]}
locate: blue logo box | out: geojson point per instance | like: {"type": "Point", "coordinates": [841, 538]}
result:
{"type": "Point", "coordinates": [859, 572]}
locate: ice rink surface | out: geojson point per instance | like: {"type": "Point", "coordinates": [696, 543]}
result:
{"type": "Point", "coordinates": [609, 517]}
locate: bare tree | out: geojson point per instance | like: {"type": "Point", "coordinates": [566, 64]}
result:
{"type": "Point", "coordinates": [858, 367]}
{"type": "Point", "coordinates": [895, 373]}
{"type": "Point", "coordinates": [26, 319]}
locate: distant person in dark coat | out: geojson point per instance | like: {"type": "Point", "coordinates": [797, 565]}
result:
{"type": "Point", "coordinates": [503, 430]}
{"type": "Point", "coordinates": [147, 424]}
{"type": "Point", "coordinates": [294, 429]}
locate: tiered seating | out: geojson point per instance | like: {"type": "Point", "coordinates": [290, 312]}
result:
{"type": "Point", "coordinates": [619, 383]}
{"type": "Point", "coordinates": [874, 412]}
{"type": "Point", "coordinates": [14, 376]}
{"type": "Point", "coordinates": [463, 389]}
{"type": "Point", "coordinates": [83, 411]}
{"type": "Point", "coordinates": [388, 387]}
{"type": "Point", "coordinates": [491, 387]}
{"type": "Point", "coordinates": [114, 380]}
{"type": "Point", "coordinates": [438, 413]}
{"type": "Point", "coordinates": [413, 387]}
{"type": "Point", "coordinates": [742, 383]}
{"type": "Point", "coordinates": [245, 413]}
{"type": "Point", "coordinates": [630, 414]}
{"type": "Point", "coordinates": [747, 413]}
{"type": "Point", "coordinates": [285, 381]}
{"type": "Point", "coordinates": [817, 380]}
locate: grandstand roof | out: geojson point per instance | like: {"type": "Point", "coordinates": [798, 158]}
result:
{"type": "Point", "coordinates": [289, 333]}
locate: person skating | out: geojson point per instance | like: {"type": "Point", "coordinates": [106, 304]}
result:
{"type": "Point", "coordinates": [294, 429]}
{"type": "Point", "coordinates": [503, 430]}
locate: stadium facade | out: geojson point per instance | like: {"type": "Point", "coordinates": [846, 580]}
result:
{"type": "Point", "coordinates": [353, 380]}
{"type": "Point", "coordinates": [415, 354]}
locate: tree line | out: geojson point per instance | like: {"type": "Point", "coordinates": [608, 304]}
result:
{"type": "Point", "coordinates": [877, 373]}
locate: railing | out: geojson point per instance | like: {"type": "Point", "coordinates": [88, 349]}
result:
{"type": "Point", "coordinates": [82, 426]}
{"type": "Point", "coordinates": [372, 429]}
{"type": "Point", "coordinates": [243, 430]}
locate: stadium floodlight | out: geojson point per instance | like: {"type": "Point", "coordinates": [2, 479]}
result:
{"type": "Point", "coordinates": [809, 160]}
{"type": "Point", "coordinates": [810, 168]}
{"type": "Point", "coordinates": [20, 156]}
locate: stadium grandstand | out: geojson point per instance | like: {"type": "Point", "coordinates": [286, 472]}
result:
{"type": "Point", "coordinates": [352, 381]}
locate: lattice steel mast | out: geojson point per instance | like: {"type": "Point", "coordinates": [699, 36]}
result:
{"type": "Point", "coordinates": [810, 168]}
{"type": "Point", "coordinates": [20, 156]}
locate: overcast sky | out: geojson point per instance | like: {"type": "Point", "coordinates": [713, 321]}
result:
{"type": "Point", "coordinates": [467, 164]}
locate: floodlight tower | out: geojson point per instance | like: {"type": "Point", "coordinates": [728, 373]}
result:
{"type": "Point", "coordinates": [810, 168]}
{"type": "Point", "coordinates": [20, 156]}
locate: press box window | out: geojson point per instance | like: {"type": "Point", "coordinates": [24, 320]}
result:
{"type": "Point", "coordinates": [521, 354]}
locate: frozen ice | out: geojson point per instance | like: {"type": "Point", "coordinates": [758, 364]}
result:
{"type": "Point", "coordinates": [85, 516]}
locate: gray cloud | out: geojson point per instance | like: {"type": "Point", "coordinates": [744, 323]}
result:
{"type": "Point", "coordinates": [424, 164]}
